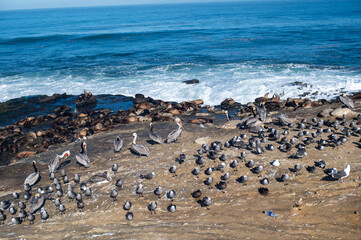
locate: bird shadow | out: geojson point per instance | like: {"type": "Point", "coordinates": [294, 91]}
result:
{"type": "Point", "coordinates": [180, 161]}
{"type": "Point", "coordinates": [328, 179]}
{"type": "Point", "coordinates": [279, 179]}
{"type": "Point", "coordinates": [239, 180]}
{"type": "Point", "coordinates": [63, 164]}
{"type": "Point", "coordinates": [151, 142]}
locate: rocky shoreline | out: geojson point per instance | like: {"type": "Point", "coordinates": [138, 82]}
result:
{"type": "Point", "coordinates": [308, 204]}
{"type": "Point", "coordinates": [35, 134]}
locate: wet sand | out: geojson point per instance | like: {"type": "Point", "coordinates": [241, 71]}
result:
{"type": "Point", "coordinates": [331, 209]}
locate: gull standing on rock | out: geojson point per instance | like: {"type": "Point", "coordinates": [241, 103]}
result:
{"type": "Point", "coordinates": [175, 134]}
{"type": "Point", "coordinates": [118, 144]}
{"type": "Point", "coordinates": [82, 158]}
{"type": "Point", "coordinates": [138, 148]}
{"type": "Point", "coordinates": [341, 174]}
{"type": "Point", "coordinates": [54, 163]}
{"type": "Point", "coordinates": [154, 135]}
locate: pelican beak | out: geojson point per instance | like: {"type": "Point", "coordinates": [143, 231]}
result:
{"type": "Point", "coordinates": [180, 124]}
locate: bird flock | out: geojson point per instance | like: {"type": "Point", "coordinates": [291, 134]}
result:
{"type": "Point", "coordinates": [317, 133]}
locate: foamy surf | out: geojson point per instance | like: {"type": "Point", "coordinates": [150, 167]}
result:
{"type": "Point", "coordinates": [241, 81]}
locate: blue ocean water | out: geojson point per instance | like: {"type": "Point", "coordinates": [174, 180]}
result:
{"type": "Point", "coordinates": [240, 50]}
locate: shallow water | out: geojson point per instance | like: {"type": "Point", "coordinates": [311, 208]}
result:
{"type": "Point", "coordinates": [240, 50]}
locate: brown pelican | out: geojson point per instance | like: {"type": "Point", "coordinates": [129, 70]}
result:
{"type": "Point", "coordinates": [33, 177]}
{"type": "Point", "coordinates": [82, 158]}
{"type": "Point", "coordinates": [36, 202]}
{"type": "Point", "coordinates": [118, 144]}
{"type": "Point", "coordinates": [99, 177]}
{"type": "Point", "coordinates": [175, 134]}
{"type": "Point", "coordinates": [54, 163]}
{"type": "Point", "coordinates": [261, 112]}
{"type": "Point", "coordinates": [347, 101]}
{"type": "Point", "coordinates": [154, 135]}
{"type": "Point", "coordinates": [229, 118]}
{"type": "Point", "coordinates": [284, 120]}
{"type": "Point", "coordinates": [138, 148]}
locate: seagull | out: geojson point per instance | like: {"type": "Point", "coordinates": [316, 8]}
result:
{"type": "Point", "coordinates": [152, 206]}
{"type": "Point", "coordinates": [297, 167]}
{"type": "Point", "coordinates": [119, 183]}
{"type": "Point", "coordinates": [147, 176]}
{"type": "Point", "coordinates": [196, 171]}
{"type": "Point", "coordinates": [140, 190]}
{"type": "Point", "coordinates": [129, 216]}
{"type": "Point", "coordinates": [127, 206]}
{"type": "Point", "coordinates": [284, 177]}
{"type": "Point", "coordinates": [158, 191]}
{"type": "Point", "coordinates": [82, 158]}
{"type": "Point", "coordinates": [242, 179]}
{"type": "Point", "coordinates": [154, 135]}
{"type": "Point", "coordinates": [225, 176]}
{"type": "Point", "coordinates": [171, 194]}
{"type": "Point", "coordinates": [172, 208]}
{"type": "Point", "coordinates": [138, 148]}
{"type": "Point", "coordinates": [54, 163]}
{"type": "Point", "coordinates": [347, 101]}
{"type": "Point", "coordinates": [175, 134]}
{"type": "Point", "coordinates": [173, 170]}
{"type": "Point", "coordinates": [114, 194]}
{"type": "Point", "coordinates": [76, 178]}
{"type": "Point", "coordinates": [118, 144]}
{"type": "Point", "coordinates": [207, 201]}
{"type": "Point", "coordinates": [301, 153]}
{"type": "Point", "coordinates": [264, 181]}
{"type": "Point", "coordinates": [341, 174]}
{"type": "Point", "coordinates": [275, 163]}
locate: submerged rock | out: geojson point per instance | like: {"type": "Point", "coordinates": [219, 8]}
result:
{"type": "Point", "coordinates": [192, 81]}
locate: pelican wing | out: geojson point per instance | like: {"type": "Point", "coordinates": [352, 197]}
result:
{"type": "Point", "coordinates": [36, 203]}
{"type": "Point", "coordinates": [174, 135]}
{"type": "Point", "coordinates": [155, 137]}
{"type": "Point", "coordinates": [83, 160]}
{"type": "Point", "coordinates": [347, 101]}
{"type": "Point", "coordinates": [32, 178]}
{"type": "Point", "coordinates": [140, 149]}
{"type": "Point", "coordinates": [54, 164]}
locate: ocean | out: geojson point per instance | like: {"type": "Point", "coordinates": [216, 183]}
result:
{"type": "Point", "coordinates": [240, 50]}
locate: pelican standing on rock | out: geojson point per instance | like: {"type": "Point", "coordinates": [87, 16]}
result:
{"type": "Point", "coordinates": [175, 134]}
{"type": "Point", "coordinates": [347, 101]}
{"type": "Point", "coordinates": [154, 135]}
{"type": "Point", "coordinates": [54, 163]}
{"type": "Point", "coordinates": [138, 148]}
{"type": "Point", "coordinates": [118, 144]}
{"type": "Point", "coordinates": [82, 158]}
{"type": "Point", "coordinates": [37, 202]}
{"type": "Point", "coordinates": [33, 177]}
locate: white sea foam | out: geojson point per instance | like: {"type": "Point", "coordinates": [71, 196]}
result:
{"type": "Point", "coordinates": [242, 82]}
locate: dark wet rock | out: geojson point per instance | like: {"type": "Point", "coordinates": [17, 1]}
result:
{"type": "Point", "coordinates": [228, 102]}
{"type": "Point", "coordinates": [86, 99]}
{"type": "Point", "coordinates": [192, 81]}
{"type": "Point", "coordinates": [62, 110]}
